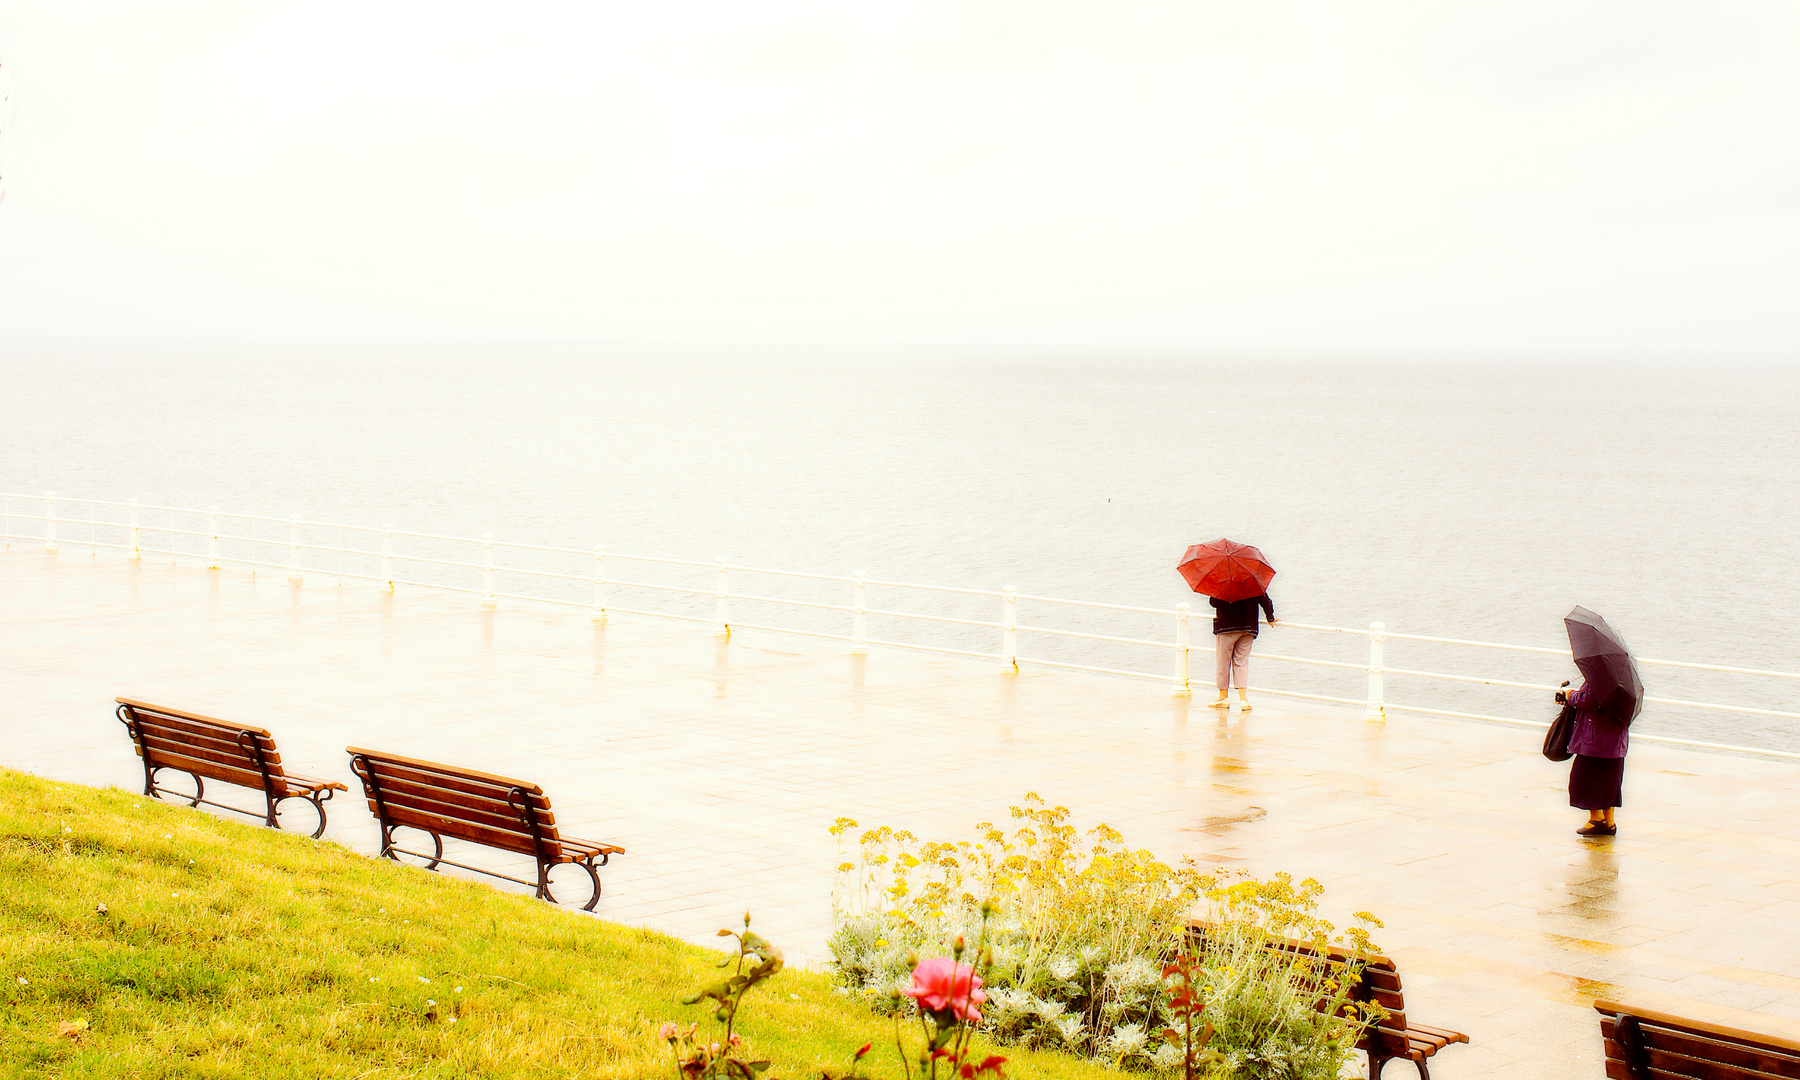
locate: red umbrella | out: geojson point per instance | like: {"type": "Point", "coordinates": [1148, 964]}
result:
{"type": "Point", "coordinates": [1226, 570]}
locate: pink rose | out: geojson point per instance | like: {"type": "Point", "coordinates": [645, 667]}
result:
{"type": "Point", "coordinates": [945, 984]}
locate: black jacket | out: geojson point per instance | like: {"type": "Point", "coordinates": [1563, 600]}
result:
{"type": "Point", "coordinates": [1239, 616]}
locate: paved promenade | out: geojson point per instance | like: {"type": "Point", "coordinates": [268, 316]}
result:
{"type": "Point", "coordinates": [719, 766]}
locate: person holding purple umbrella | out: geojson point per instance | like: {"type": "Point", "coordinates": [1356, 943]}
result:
{"type": "Point", "coordinates": [1605, 704]}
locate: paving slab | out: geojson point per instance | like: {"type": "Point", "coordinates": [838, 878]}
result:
{"type": "Point", "coordinates": [720, 763]}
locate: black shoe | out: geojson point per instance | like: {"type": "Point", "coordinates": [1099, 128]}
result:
{"type": "Point", "coordinates": [1597, 828]}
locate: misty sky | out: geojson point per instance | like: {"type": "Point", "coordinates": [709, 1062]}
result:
{"type": "Point", "coordinates": [1185, 176]}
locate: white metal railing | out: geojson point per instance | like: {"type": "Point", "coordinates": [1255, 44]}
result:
{"type": "Point", "coordinates": [292, 544]}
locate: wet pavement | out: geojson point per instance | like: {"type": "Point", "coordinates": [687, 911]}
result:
{"type": "Point", "coordinates": [719, 765]}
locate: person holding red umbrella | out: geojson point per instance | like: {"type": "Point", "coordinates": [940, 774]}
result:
{"type": "Point", "coordinates": [1235, 579]}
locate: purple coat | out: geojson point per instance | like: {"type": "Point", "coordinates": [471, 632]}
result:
{"type": "Point", "coordinates": [1598, 733]}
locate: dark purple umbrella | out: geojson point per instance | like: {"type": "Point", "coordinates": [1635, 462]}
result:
{"type": "Point", "coordinates": [1605, 662]}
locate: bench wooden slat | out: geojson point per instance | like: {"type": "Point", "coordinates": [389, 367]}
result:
{"type": "Point", "coordinates": [227, 751]}
{"type": "Point", "coordinates": [167, 751]}
{"type": "Point", "coordinates": [593, 847]}
{"type": "Point", "coordinates": [212, 729]}
{"type": "Point", "coordinates": [1682, 1054]}
{"type": "Point", "coordinates": [453, 803]}
{"type": "Point", "coordinates": [498, 820]}
{"type": "Point", "coordinates": [467, 830]}
{"type": "Point", "coordinates": [1700, 1068]}
{"type": "Point", "coordinates": [212, 770]}
{"type": "Point", "coordinates": [473, 789]}
{"type": "Point", "coordinates": [312, 783]}
{"type": "Point", "coordinates": [1379, 974]}
{"type": "Point", "coordinates": [1721, 1059]}
{"type": "Point", "coordinates": [208, 749]}
{"type": "Point", "coordinates": [1675, 1046]}
{"type": "Point", "coordinates": [223, 740]}
{"type": "Point", "coordinates": [452, 776]}
{"type": "Point", "coordinates": [1692, 1069]}
{"type": "Point", "coordinates": [1393, 1002]}
{"type": "Point", "coordinates": [1764, 1046]}
{"type": "Point", "coordinates": [143, 707]}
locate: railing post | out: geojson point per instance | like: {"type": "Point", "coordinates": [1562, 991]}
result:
{"type": "Point", "coordinates": [488, 599]}
{"type": "Point", "coordinates": [387, 557]}
{"type": "Point", "coordinates": [1375, 711]}
{"type": "Point", "coordinates": [859, 619]}
{"type": "Point", "coordinates": [212, 538]}
{"type": "Point", "coordinates": [599, 583]}
{"type": "Point", "coordinates": [50, 521]}
{"type": "Point", "coordinates": [294, 549]}
{"type": "Point", "coordinates": [1009, 627]}
{"type": "Point", "coordinates": [1182, 687]}
{"type": "Point", "coordinates": [722, 614]}
{"type": "Point", "coordinates": [136, 552]}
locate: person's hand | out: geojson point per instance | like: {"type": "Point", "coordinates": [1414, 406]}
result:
{"type": "Point", "coordinates": [1273, 620]}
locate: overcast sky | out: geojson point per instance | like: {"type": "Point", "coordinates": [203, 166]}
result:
{"type": "Point", "coordinates": [1188, 176]}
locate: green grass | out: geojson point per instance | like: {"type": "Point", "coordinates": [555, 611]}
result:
{"type": "Point", "coordinates": [229, 950]}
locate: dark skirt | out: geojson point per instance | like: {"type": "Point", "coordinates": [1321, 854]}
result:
{"type": "Point", "coordinates": [1594, 782]}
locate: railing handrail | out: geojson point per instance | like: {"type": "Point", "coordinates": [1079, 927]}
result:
{"type": "Point", "coordinates": [1008, 624]}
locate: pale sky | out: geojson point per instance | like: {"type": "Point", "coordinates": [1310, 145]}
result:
{"type": "Point", "coordinates": [1190, 176]}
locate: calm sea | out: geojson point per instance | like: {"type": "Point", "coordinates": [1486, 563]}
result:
{"type": "Point", "coordinates": [1456, 499]}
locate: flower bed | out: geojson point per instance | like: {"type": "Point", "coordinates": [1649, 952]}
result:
{"type": "Point", "coordinates": [1082, 939]}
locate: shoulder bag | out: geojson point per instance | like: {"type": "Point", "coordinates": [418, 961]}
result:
{"type": "Point", "coordinates": [1556, 740]}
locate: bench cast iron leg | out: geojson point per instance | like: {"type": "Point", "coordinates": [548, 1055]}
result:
{"type": "Point", "coordinates": [155, 792]}
{"type": "Point", "coordinates": [318, 803]}
{"type": "Point", "coordinates": [594, 876]}
{"type": "Point", "coordinates": [389, 849]}
{"type": "Point", "coordinates": [543, 889]}
{"type": "Point", "coordinates": [319, 798]}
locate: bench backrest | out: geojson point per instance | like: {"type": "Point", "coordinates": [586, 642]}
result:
{"type": "Point", "coordinates": [204, 746]}
{"type": "Point", "coordinates": [1641, 1045]}
{"type": "Point", "coordinates": [1379, 983]}
{"type": "Point", "coordinates": [452, 801]}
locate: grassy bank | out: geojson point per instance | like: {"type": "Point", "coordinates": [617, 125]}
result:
{"type": "Point", "coordinates": [144, 940]}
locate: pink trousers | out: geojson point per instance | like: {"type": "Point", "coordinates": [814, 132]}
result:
{"type": "Point", "coordinates": [1234, 659]}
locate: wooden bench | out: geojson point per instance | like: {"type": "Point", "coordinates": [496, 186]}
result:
{"type": "Point", "coordinates": [1394, 1036]}
{"type": "Point", "coordinates": [494, 811]}
{"type": "Point", "coordinates": [1645, 1045]}
{"type": "Point", "coordinates": [209, 749]}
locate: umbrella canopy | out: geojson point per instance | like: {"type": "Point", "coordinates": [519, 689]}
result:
{"type": "Point", "coordinates": [1226, 570]}
{"type": "Point", "coordinates": [1605, 662]}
